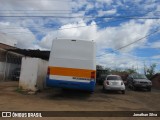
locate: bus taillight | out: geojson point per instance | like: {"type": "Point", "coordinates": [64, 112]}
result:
{"type": "Point", "coordinates": [48, 71]}
{"type": "Point", "coordinates": [93, 75]}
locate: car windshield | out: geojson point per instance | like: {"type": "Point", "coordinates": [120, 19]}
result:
{"type": "Point", "coordinates": [139, 76]}
{"type": "Point", "coordinates": [113, 78]}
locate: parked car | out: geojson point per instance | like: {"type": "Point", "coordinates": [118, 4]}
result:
{"type": "Point", "coordinates": [136, 81]}
{"type": "Point", "coordinates": [114, 82]}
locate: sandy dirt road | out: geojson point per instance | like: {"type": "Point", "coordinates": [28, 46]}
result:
{"type": "Point", "coordinates": [69, 100]}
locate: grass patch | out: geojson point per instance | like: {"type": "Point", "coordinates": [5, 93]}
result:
{"type": "Point", "coordinates": [20, 90]}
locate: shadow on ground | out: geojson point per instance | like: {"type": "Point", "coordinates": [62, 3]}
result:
{"type": "Point", "coordinates": [62, 94]}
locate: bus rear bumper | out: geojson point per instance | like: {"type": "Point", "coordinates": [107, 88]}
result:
{"type": "Point", "coordinates": [88, 86]}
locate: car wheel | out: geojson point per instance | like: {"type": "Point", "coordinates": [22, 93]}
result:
{"type": "Point", "coordinates": [103, 89]}
{"type": "Point", "coordinates": [123, 91]}
{"type": "Point", "coordinates": [129, 86]}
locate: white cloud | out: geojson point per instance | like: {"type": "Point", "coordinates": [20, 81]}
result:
{"type": "Point", "coordinates": [35, 8]}
{"type": "Point", "coordinates": [155, 45]}
{"type": "Point", "coordinates": [116, 37]}
{"type": "Point", "coordinates": [22, 37]}
{"type": "Point", "coordinates": [5, 39]}
{"type": "Point", "coordinates": [46, 42]}
{"type": "Point", "coordinates": [122, 61]}
{"type": "Point", "coordinates": [156, 57]}
{"type": "Point", "coordinates": [108, 12]}
{"type": "Point", "coordinates": [33, 5]}
{"type": "Point", "coordinates": [108, 2]}
{"type": "Point", "coordinates": [110, 37]}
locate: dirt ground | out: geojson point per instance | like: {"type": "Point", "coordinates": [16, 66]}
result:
{"type": "Point", "coordinates": [62, 100]}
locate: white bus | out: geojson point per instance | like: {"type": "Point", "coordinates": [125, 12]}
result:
{"type": "Point", "coordinates": [72, 64]}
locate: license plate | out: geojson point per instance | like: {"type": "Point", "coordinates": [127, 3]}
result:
{"type": "Point", "coordinates": [114, 83]}
{"type": "Point", "coordinates": [144, 85]}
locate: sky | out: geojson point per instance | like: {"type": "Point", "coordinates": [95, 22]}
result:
{"type": "Point", "coordinates": [126, 32]}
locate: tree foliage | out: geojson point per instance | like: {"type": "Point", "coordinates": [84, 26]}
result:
{"type": "Point", "coordinates": [150, 71]}
{"type": "Point", "coordinates": [99, 67]}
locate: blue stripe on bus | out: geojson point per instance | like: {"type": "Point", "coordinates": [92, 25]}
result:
{"type": "Point", "coordinates": [71, 84]}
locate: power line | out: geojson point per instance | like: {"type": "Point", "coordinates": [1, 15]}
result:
{"type": "Point", "coordinates": [53, 10]}
{"type": "Point", "coordinates": [138, 40]}
{"type": "Point", "coordinates": [154, 32]}
{"type": "Point", "coordinates": [115, 17]}
{"type": "Point", "coordinates": [40, 13]}
{"type": "Point", "coordinates": [68, 16]}
{"type": "Point", "coordinates": [98, 23]}
{"type": "Point", "coordinates": [76, 1]}
{"type": "Point", "coordinates": [50, 13]}
{"type": "Point", "coordinates": [110, 22]}
{"type": "Point", "coordinates": [34, 10]}
{"type": "Point", "coordinates": [40, 1]}
{"type": "Point", "coordinates": [69, 1]}
{"type": "Point", "coordinates": [16, 14]}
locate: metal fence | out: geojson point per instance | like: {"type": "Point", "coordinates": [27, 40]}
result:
{"type": "Point", "coordinates": [10, 64]}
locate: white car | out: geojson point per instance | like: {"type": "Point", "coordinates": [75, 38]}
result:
{"type": "Point", "coordinates": [114, 82]}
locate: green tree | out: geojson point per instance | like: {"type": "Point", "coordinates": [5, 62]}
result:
{"type": "Point", "coordinates": [150, 71]}
{"type": "Point", "coordinates": [130, 71]}
{"type": "Point", "coordinates": [99, 67]}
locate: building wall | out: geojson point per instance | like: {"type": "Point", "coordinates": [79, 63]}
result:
{"type": "Point", "coordinates": [33, 73]}
{"type": "Point", "coordinates": [42, 72]}
{"type": "Point", "coordinates": [9, 61]}
{"type": "Point", "coordinates": [6, 70]}
{"type": "Point", "coordinates": [2, 64]}
{"type": "Point", "coordinates": [156, 82]}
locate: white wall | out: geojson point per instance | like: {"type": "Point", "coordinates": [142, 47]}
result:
{"type": "Point", "coordinates": [33, 73]}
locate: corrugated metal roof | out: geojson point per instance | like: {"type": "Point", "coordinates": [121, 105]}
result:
{"type": "Point", "coordinates": [6, 47]}
{"type": "Point", "coordinates": [5, 44]}
{"type": "Point", "coordinates": [33, 53]}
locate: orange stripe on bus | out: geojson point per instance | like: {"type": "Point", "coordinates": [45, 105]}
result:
{"type": "Point", "coordinates": [73, 72]}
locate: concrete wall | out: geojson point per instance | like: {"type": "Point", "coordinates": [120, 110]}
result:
{"type": "Point", "coordinates": [2, 64]}
{"type": "Point", "coordinates": [42, 72]}
{"type": "Point", "coordinates": [156, 83]}
{"type": "Point", "coordinates": [33, 73]}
